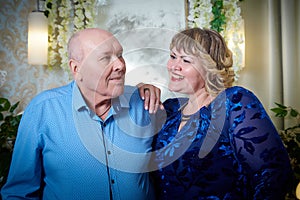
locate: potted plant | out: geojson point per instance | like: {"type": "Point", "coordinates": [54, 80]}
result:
{"type": "Point", "coordinates": [291, 139]}
{"type": "Point", "coordinates": [9, 122]}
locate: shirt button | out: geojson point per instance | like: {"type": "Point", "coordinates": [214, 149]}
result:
{"type": "Point", "coordinates": [112, 181]}
{"type": "Point", "coordinates": [109, 152]}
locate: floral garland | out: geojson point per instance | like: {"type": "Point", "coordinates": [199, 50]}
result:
{"type": "Point", "coordinates": [64, 18]}
{"type": "Point", "coordinates": [3, 75]}
{"type": "Point", "coordinates": [225, 17]}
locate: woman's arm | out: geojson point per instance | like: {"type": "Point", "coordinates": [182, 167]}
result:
{"type": "Point", "coordinates": [258, 147]}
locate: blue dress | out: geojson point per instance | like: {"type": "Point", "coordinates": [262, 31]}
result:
{"type": "Point", "coordinates": [227, 150]}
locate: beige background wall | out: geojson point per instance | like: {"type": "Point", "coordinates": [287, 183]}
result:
{"type": "Point", "coordinates": [25, 81]}
{"type": "Point", "coordinates": [255, 74]}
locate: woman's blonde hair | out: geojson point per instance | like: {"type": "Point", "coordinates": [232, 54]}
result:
{"type": "Point", "coordinates": [214, 54]}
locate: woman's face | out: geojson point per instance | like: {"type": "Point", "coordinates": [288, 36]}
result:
{"type": "Point", "coordinates": [185, 72]}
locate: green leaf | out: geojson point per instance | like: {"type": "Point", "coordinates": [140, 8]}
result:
{"type": "Point", "coordinates": [280, 105]}
{"type": "Point", "coordinates": [294, 113]}
{"type": "Point", "coordinates": [4, 104]}
{"type": "Point", "coordinates": [279, 112]}
{"type": "Point", "coordinates": [276, 110]}
{"type": "Point", "coordinates": [49, 5]}
{"type": "Point", "coordinates": [12, 109]}
{"type": "Point", "coordinates": [219, 17]}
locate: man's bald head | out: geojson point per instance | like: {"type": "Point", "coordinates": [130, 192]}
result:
{"type": "Point", "coordinates": [84, 41]}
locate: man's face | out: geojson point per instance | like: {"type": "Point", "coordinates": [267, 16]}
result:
{"type": "Point", "coordinates": [103, 70]}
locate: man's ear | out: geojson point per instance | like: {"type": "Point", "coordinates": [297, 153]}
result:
{"type": "Point", "coordinates": [74, 67]}
{"type": "Point", "coordinates": [73, 64]}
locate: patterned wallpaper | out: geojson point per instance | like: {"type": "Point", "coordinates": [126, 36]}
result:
{"type": "Point", "coordinates": [23, 81]}
{"type": "Point", "coordinates": [126, 18]}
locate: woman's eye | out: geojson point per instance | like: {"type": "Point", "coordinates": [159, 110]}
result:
{"type": "Point", "coordinates": [172, 57]}
{"type": "Point", "coordinates": [186, 61]}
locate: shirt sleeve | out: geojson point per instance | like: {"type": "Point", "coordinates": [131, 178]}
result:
{"type": "Point", "coordinates": [25, 174]}
{"type": "Point", "coordinates": [258, 148]}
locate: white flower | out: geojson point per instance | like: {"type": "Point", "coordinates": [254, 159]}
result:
{"type": "Point", "coordinates": [66, 17]}
{"type": "Point", "coordinates": [200, 15]}
{"type": "Point", "coordinates": [3, 74]}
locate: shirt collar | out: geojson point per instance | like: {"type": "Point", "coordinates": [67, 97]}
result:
{"type": "Point", "coordinates": [78, 101]}
{"type": "Point", "coordinates": [119, 103]}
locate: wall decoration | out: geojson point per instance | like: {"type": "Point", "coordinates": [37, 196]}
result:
{"type": "Point", "coordinates": [66, 17]}
{"type": "Point", "coordinates": [22, 81]}
{"type": "Point", "coordinates": [225, 17]}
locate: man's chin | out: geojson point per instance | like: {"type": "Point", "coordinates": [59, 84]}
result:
{"type": "Point", "coordinates": [118, 90]}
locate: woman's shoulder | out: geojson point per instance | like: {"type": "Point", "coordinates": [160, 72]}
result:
{"type": "Point", "coordinates": [237, 89]}
{"type": "Point", "coordinates": [238, 97]}
{"type": "Point", "coordinates": [170, 101]}
{"type": "Point", "coordinates": [237, 92]}
{"type": "Point", "coordinates": [235, 96]}
{"type": "Point", "coordinates": [174, 104]}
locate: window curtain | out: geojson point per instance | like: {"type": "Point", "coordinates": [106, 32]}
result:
{"type": "Point", "coordinates": [290, 53]}
{"type": "Point", "coordinates": [272, 67]}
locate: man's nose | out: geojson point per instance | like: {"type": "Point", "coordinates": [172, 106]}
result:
{"type": "Point", "coordinates": [119, 63]}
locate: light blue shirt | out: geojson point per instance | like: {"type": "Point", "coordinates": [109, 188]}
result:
{"type": "Point", "coordinates": [64, 151]}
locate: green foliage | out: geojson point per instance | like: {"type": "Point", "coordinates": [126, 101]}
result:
{"type": "Point", "coordinates": [48, 7]}
{"type": "Point", "coordinates": [287, 111]}
{"type": "Point", "coordinates": [291, 138]}
{"type": "Point", "coordinates": [9, 122]}
{"type": "Point", "coordinates": [219, 16]}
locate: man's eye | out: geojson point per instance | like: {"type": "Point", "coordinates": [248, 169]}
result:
{"type": "Point", "coordinates": [104, 58]}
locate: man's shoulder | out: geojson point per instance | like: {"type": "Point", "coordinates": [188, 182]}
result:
{"type": "Point", "coordinates": [58, 93]}
{"type": "Point", "coordinates": [131, 93]}
{"type": "Point", "coordinates": [129, 90]}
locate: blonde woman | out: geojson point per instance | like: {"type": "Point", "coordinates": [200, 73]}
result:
{"type": "Point", "coordinates": [219, 142]}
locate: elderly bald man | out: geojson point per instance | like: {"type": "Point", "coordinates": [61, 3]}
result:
{"type": "Point", "coordinates": [89, 139]}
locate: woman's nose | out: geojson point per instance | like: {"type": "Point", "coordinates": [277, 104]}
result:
{"type": "Point", "coordinates": [173, 65]}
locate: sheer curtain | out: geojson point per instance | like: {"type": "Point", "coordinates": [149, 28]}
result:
{"type": "Point", "coordinates": [272, 72]}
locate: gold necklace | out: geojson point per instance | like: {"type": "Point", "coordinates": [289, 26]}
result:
{"type": "Point", "coordinates": [183, 116]}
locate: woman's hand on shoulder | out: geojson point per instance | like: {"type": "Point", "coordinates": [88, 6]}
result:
{"type": "Point", "coordinates": [151, 96]}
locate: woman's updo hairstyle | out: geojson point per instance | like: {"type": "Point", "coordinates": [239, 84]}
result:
{"type": "Point", "coordinates": [215, 57]}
